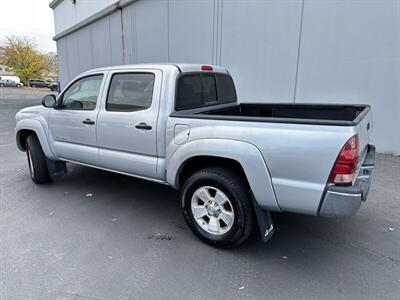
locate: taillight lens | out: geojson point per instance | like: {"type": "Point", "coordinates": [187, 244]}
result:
{"type": "Point", "coordinates": [345, 167]}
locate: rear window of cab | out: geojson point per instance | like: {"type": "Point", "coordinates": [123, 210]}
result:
{"type": "Point", "coordinates": [203, 89]}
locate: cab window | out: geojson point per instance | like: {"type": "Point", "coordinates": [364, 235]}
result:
{"type": "Point", "coordinates": [130, 92]}
{"type": "Point", "coordinates": [83, 94]}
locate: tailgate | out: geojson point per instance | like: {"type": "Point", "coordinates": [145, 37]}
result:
{"type": "Point", "coordinates": [364, 130]}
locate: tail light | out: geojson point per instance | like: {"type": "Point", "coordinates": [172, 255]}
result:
{"type": "Point", "coordinates": [345, 166]}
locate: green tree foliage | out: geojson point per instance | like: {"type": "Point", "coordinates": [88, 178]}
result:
{"type": "Point", "coordinates": [21, 55]}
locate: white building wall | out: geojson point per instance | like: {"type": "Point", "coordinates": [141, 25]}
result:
{"type": "Point", "coordinates": [286, 51]}
{"type": "Point", "coordinates": [67, 14]}
{"type": "Point", "coordinates": [146, 32]}
{"type": "Point", "coordinates": [96, 45]}
{"type": "Point", "coordinates": [350, 53]}
{"type": "Point", "coordinates": [259, 42]}
{"type": "Point", "coordinates": [191, 31]}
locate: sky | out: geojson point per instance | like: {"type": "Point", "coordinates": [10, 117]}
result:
{"type": "Point", "coordinates": [31, 18]}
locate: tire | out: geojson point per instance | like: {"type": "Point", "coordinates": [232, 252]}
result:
{"type": "Point", "coordinates": [237, 205]}
{"type": "Point", "coordinates": [2, 85]}
{"type": "Point", "coordinates": [19, 86]}
{"type": "Point", "coordinates": [36, 160]}
{"type": "Point", "coordinates": [33, 85]}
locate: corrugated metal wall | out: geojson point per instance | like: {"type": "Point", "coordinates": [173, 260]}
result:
{"type": "Point", "coordinates": [98, 44]}
{"type": "Point", "coordinates": [294, 50]}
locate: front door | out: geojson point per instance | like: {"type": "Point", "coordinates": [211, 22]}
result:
{"type": "Point", "coordinates": [127, 123]}
{"type": "Point", "coordinates": [73, 122]}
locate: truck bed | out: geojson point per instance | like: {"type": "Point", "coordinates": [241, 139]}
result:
{"type": "Point", "coordinates": [322, 114]}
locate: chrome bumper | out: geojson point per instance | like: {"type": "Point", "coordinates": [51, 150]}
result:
{"type": "Point", "coordinates": [344, 201]}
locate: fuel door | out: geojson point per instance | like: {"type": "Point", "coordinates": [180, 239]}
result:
{"type": "Point", "coordinates": [181, 133]}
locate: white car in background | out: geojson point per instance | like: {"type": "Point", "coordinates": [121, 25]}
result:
{"type": "Point", "coordinates": [13, 78]}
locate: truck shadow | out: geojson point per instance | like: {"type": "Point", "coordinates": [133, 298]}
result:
{"type": "Point", "coordinates": [144, 204]}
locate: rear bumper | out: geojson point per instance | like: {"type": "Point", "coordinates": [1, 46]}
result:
{"type": "Point", "coordinates": [344, 201]}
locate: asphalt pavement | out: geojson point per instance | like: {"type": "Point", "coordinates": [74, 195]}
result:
{"type": "Point", "coordinates": [97, 235]}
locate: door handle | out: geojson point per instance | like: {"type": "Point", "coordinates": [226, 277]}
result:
{"type": "Point", "coordinates": [88, 122]}
{"type": "Point", "coordinates": [143, 125]}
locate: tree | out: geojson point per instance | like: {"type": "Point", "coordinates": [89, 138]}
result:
{"type": "Point", "coordinates": [21, 55]}
{"type": "Point", "coordinates": [51, 65]}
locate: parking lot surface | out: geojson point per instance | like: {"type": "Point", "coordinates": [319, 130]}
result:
{"type": "Point", "coordinates": [97, 235]}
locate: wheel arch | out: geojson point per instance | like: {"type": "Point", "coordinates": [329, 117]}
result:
{"type": "Point", "coordinates": [22, 135]}
{"type": "Point", "coordinates": [26, 128]}
{"type": "Point", "coordinates": [237, 155]}
{"type": "Point", "coordinates": [199, 162]}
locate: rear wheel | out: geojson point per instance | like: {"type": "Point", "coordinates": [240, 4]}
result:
{"type": "Point", "coordinates": [18, 85]}
{"type": "Point", "coordinates": [217, 207]}
{"type": "Point", "coordinates": [1, 84]}
{"type": "Point", "coordinates": [36, 160]}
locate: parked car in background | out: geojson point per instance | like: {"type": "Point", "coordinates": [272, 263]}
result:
{"type": "Point", "coordinates": [11, 77]}
{"type": "Point", "coordinates": [53, 86]}
{"type": "Point", "coordinates": [9, 83]}
{"type": "Point", "coordinates": [182, 125]}
{"type": "Point", "coordinates": [38, 83]}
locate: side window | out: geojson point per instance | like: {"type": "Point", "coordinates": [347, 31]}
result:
{"type": "Point", "coordinates": [83, 94]}
{"type": "Point", "coordinates": [130, 92]}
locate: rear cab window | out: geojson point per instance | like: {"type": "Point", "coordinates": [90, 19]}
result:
{"type": "Point", "coordinates": [201, 89]}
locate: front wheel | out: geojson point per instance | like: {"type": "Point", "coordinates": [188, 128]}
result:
{"type": "Point", "coordinates": [36, 160]}
{"type": "Point", "coordinates": [217, 207]}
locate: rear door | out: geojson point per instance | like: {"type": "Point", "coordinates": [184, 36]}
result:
{"type": "Point", "coordinates": [127, 123]}
{"type": "Point", "coordinates": [73, 123]}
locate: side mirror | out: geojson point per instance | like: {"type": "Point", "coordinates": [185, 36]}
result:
{"type": "Point", "coordinates": [49, 101]}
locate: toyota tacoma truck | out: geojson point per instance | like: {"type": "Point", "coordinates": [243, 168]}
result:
{"type": "Point", "coordinates": [182, 125]}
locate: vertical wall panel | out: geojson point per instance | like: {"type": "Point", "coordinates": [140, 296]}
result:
{"type": "Point", "coordinates": [115, 32]}
{"type": "Point", "coordinates": [85, 49]}
{"type": "Point", "coordinates": [259, 43]}
{"type": "Point", "coordinates": [63, 61]}
{"type": "Point", "coordinates": [73, 55]}
{"type": "Point", "coordinates": [191, 31]}
{"type": "Point", "coordinates": [151, 31]}
{"type": "Point", "coordinates": [101, 43]}
{"type": "Point", "coordinates": [350, 53]}
{"type": "Point", "coordinates": [129, 36]}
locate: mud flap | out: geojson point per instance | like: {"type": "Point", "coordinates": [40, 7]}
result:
{"type": "Point", "coordinates": [56, 168]}
{"type": "Point", "coordinates": [264, 222]}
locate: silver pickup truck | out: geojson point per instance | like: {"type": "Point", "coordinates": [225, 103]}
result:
{"type": "Point", "coordinates": [182, 125]}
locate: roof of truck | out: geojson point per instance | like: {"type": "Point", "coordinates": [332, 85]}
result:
{"type": "Point", "coordinates": [182, 67]}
